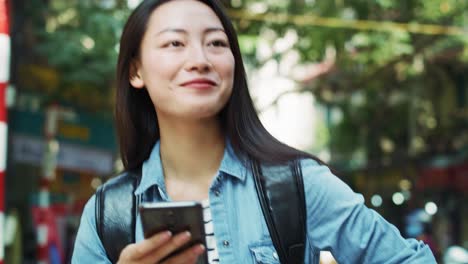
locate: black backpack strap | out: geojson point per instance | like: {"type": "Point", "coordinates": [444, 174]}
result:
{"type": "Point", "coordinates": [115, 223]}
{"type": "Point", "coordinates": [280, 190]}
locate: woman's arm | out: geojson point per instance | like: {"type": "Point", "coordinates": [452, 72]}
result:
{"type": "Point", "coordinates": [338, 221]}
{"type": "Point", "coordinates": [88, 247]}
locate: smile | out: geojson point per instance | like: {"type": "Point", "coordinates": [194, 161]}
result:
{"type": "Point", "coordinates": [199, 84]}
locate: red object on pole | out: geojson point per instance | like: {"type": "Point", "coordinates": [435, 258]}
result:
{"type": "Point", "coordinates": [4, 77]}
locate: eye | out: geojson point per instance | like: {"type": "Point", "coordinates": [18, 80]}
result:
{"type": "Point", "coordinates": [219, 43]}
{"type": "Point", "coordinates": [174, 43]}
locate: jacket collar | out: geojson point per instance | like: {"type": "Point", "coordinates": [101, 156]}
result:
{"type": "Point", "coordinates": [152, 171]}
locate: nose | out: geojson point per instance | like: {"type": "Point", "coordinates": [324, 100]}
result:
{"type": "Point", "coordinates": [197, 60]}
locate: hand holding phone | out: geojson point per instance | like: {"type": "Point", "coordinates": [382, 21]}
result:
{"type": "Point", "coordinates": [155, 249]}
{"type": "Point", "coordinates": [176, 217]}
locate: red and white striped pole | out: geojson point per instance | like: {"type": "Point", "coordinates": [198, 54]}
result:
{"type": "Point", "coordinates": [4, 77]}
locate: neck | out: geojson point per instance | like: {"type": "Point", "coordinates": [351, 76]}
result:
{"type": "Point", "coordinates": [191, 151]}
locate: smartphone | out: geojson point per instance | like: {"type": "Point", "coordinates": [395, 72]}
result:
{"type": "Point", "coordinates": [175, 217]}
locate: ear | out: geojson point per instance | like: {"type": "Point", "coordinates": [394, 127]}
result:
{"type": "Point", "coordinates": [135, 75]}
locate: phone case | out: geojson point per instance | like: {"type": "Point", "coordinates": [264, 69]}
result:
{"type": "Point", "coordinates": [175, 217]}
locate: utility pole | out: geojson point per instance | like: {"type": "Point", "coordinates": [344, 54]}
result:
{"type": "Point", "coordinates": [54, 113]}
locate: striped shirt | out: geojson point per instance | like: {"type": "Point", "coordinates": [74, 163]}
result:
{"type": "Point", "coordinates": [212, 250]}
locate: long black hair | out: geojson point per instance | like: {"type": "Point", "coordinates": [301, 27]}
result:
{"type": "Point", "coordinates": [136, 119]}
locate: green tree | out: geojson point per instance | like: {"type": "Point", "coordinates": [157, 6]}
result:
{"type": "Point", "coordinates": [77, 44]}
{"type": "Point", "coordinates": [399, 88]}
{"type": "Point", "coordinates": [396, 85]}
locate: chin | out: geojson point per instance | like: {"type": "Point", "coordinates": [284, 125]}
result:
{"type": "Point", "coordinates": [202, 113]}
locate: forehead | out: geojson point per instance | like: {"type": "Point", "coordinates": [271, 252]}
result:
{"type": "Point", "coordinates": [183, 14]}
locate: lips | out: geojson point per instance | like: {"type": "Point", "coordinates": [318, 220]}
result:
{"type": "Point", "coordinates": [201, 83]}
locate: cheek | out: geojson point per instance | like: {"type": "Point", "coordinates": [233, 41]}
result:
{"type": "Point", "coordinates": [159, 68]}
{"type": "Point", "coordinates": [226, 68]}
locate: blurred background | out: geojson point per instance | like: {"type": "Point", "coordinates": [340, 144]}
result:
{"type": "Point", "coordinates": [378, 89]}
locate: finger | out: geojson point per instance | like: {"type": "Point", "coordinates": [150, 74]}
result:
{"type": "Point", "coordinates": [139, 250]}
{"type": "Point", "coordinates": [170, 246]}
{"type": "Point", "coordinates": [189, 255]}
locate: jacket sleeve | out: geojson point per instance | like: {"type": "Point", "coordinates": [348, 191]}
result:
{"type": "Point", "coordinates": [88, 247]}
{"type": "Point", "coordinates": [338, 221]}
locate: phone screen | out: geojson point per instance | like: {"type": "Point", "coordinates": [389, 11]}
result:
{"type": "Point", "coordinates": [175, 217]}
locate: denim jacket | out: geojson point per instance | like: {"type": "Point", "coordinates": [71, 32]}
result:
{"type": "Point", "coordinates": [337, 219]}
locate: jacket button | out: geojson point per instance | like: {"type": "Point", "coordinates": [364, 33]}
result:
{"type": "Point", "coordinates": [217, 192]}
{"type": "Point", "coordinates": [226, 243]}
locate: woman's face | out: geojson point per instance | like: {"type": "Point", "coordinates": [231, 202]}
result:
{"type": "Point", "coordinates": [185, 61]}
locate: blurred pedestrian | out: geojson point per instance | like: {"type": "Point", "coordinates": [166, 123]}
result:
{"type": "Point", "coordinates": [186, 121]}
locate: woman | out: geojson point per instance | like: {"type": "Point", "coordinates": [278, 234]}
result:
{"type": "Point", "coordinates": [184, 115]}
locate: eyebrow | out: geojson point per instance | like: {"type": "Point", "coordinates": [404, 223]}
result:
{"type": "Point", "coordinates": [183, 31]}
